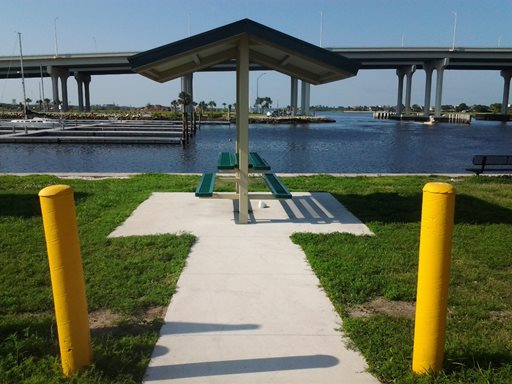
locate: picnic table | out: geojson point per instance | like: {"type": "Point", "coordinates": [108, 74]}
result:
{"type": "Point", "coordinates": [228, 167]}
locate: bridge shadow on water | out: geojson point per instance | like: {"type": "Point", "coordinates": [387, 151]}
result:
{"type": "Point", "coordinates": [396, 208]}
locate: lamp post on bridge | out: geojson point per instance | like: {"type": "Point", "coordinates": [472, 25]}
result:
{"type": "Point", "coordinates": [454, 29]}
{"type": "Point", "coordinates": [55, 30]}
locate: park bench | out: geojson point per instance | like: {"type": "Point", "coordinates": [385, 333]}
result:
{"type": "Point", "coordinates": [228, 163]}
{"type": "Point", "coordinates": [491, 163]}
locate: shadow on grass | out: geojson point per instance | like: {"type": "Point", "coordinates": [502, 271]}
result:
{"type": "Point", "coordinates": [124, 349]}
{"type": "Point", "coordinates": [396, 208]}
{"type": "Point", "coordinates": [457, 363]}
{"type": "Point", "coordinates": [120, 353]}
{"type": "Point", "coordinates": [26, 205]}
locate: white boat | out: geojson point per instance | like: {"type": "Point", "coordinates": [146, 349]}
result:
{"type": "Point", "coordinates": [431, 121]}
{"type": "Point", "coordinates": [36, 122]}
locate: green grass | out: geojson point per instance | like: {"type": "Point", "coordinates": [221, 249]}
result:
{"type": "Point", "coordinates": [354, 270]}
{"type": "Point", "coordinates": [126, 276]}
{"type": "Point", "coordinates": [129, 276]}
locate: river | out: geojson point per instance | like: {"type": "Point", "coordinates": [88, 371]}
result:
{"type": "Point", "coordinates": [355, 143]}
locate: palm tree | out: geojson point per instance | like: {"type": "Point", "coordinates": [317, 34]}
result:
{"type": "Point", "coordinates": [184, 99]}
{"type": "Point", "coordinates": [201, 107]}
{"type": "Point", "coordinates": [46, 104]}
{"type": "Point", "coordinates": [212, 105]}
{"type": "Point", "coordinates": [174, 105]}
{"type": "Point", "coordinates": [40, 102]}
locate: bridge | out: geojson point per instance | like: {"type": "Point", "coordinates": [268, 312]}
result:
{"type": "Point", "coordinates": [404, 60]}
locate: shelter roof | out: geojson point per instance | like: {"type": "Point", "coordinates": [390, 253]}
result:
{"type": "Point", "coordinates": [268, 48]}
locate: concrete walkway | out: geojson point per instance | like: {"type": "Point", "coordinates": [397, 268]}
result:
{"type": "Point", "coordinates": [248, 307]}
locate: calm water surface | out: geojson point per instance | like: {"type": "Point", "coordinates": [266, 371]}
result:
{"type": "Point", "coordinates": [355, 143]}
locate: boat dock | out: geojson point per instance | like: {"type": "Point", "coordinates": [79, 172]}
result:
{"type": "Point", "coordinates": [97, 132]}
{"type": "Point", "coordinates": [453, 118]}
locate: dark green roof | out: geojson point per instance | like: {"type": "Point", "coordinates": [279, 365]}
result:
{"type": "Point", "coordinates": [268, 48]}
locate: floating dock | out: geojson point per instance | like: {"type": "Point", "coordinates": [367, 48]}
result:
{"type": "Point", "coordinates": [452, 118]}
{"type": "Point", "coordinates": [95, 132]}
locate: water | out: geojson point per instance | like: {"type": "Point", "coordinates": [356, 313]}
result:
{"type": "Point", "coordinates": [354, 144]}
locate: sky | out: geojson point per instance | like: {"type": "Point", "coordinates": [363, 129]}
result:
{"type": "Point", "coordinates": [81, 26]}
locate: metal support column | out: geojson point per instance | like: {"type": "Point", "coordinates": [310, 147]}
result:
{"type": "Point", "coordinates": [429, 68]}
{"type": "Point", "coordinates": [506, 91]}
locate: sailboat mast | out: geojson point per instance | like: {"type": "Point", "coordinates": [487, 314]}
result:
{"type": "Point", "coordinates": [23, 79]}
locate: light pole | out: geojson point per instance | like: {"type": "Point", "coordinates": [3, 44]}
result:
{"type": "Point", "coordinates": [55, 30]}
{"type": "Point", "coordinates": [258, 89]}
{"type": "Point", "coordinates": [454, 29]}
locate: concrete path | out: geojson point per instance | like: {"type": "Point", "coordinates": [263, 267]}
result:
{"type": "Point", "coordinates": [248, 307]}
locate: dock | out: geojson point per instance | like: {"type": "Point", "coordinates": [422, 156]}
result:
{"type": "Point", "coordinates": [451, 118]}
{"type": "Point", "coordinates": [97, 132]}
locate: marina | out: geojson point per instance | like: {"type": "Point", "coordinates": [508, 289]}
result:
{"type": "Point", "coordinates": [354, 143]}
{"type": "Point", "coordinates": [95, 132]}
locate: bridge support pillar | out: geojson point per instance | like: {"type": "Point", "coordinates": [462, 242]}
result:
{"type": "Point", "coordinates": [55, 87]}
{"type": "Point", "coordinates": [305, 97]}
{"type": "Point", "coordinates": [87, 81]}
{"type": "Point", "coordinates": [62, 74]}
{"type": "Point", "coordinates": [429, 68]}
{"type": "Point", "coordinates": [187, 86]}
{"type": "Point", "coordinates": [82, 81]}
{"type": "Point", "coordinates": [64, 88]}
{"type": "Point", "coordinates": [400, 72]}
{"type": "Point", "coordinates": [507, 75]}
{"type": "Point", "coordinates": [80, 87]}
{"type": "Point", "coordinates": [440, 66]}
{"type": "Point", "coordinates": [408, 87]}
{"type": "Point", "coordinates": [294, 94]}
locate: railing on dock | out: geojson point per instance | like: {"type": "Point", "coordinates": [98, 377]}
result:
{"type": "Point", "coordinates": [381, 115]}
{"type": "Point", "coordinates": [459, 118]}
{"type": "Point", "coordinates": [452, 118]}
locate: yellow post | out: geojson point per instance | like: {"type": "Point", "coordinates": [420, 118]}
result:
{"type": "Point", "coordinates": [433, 275]}
{"type": "Point", "coordinates": [58, 210]}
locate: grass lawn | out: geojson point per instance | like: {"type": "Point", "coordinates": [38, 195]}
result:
{"type": "Point", "coordinates": [130, 280]}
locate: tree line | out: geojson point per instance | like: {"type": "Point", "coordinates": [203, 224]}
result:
{"type": "Point", "coordinates": [462, 107]}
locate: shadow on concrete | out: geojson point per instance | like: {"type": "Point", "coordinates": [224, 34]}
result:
{"type": "Point", "coordinates": [179, 328]}
{"type": "Point", "coordinates": [233, 367]}
{"type": "Point", "coordinates": [317, 208]}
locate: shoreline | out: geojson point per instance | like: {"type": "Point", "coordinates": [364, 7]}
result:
{"type": "Point", "coordinates": [125, 175]}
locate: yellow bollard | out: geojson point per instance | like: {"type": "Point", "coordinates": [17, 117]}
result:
{"type": "Point", "coordinates": [58, 210]}
{"type": "Point", "coordinates": [433, 276]}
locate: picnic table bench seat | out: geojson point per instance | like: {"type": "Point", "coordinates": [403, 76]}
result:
{"type": "Point", "coordinates": [229, 161]}
{"type": "Point", "coordinates": [276, 187]}
{"type": "Point", "coordinates": [491, 163]}
{"type": "Point", "coordinates": [206, 185]}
